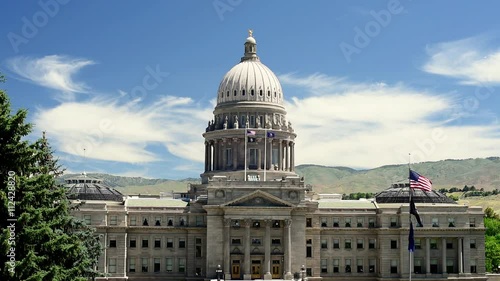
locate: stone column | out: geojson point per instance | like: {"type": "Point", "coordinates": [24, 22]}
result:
{"type": "Point", "coordinates": [427, 255]}
{"type": "Point", "coordinates": [288, 249]}
{"type": "Point", "coordinates": [247, 274]}
{"type": "Point", "coordinates": [227, 249]}
{"type": "Point", "coordinates": [267, 251]}
{"type": "Point", "coordinates": [224, 154]}
{"type": "Point", "coordinates": [216, 155]}
{"type": "Point", "coordinates": [259, 159]}
{"type": "Point", "coordinates": [460, 256]}
{"type": "Point", "coordinates": [280, 160]}
{"type": "Point", "coordinates": [287, 156]}
{"type": "Point", "coordinates": [292, 156]}
{"type": "Point", "coordinates": [235, 154]}
{"type": "Point", "coordinates": [209, 156]}
{"type": "Point", "coordinates": [443, 255]}
{"type": "Point", "coordinates": [269, 154]}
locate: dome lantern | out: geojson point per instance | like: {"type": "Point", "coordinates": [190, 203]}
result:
{"type": "Point", "coordinates": [250, 48]}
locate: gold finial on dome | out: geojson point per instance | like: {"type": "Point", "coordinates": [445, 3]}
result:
{"type": "Point", "coordinates": [250, 33]}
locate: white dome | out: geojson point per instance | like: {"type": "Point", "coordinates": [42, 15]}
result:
{"type": "Point", "coordinates": [250, 80]}
{"type": "Point", "coordinates": [251, 40]}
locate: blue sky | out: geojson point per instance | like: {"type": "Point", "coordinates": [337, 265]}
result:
{"type": "Point", "coordinates": [133, 84]}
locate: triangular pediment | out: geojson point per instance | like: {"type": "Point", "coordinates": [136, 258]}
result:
{"type": "Point", "coordinates": [258, 198]}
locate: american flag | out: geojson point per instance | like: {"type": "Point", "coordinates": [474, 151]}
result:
{"type": "Point", "coordinates": [420, 182]}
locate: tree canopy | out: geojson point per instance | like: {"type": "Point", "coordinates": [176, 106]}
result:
{"type": "Point", "coordinates": [40, 237]}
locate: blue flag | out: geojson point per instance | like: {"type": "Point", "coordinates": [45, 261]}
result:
{"type": "Point", "coordinates": [271, 134]}
{"type": "Point", "coordinates": [411, 239]}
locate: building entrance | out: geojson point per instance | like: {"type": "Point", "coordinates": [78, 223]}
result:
{"type": "Point", "coordinates": [276, 269]}
{"type": "Point", "coordinates": [235, 269]}
{"type": "Point", "coordinates": [256, 270]}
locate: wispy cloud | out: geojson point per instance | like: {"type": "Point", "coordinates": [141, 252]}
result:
{"type": "Point", "coordinates": [369, 125]}
{"type": "Point", "coordinates": [55, 72]}
{"type": "Point", "coordinates": [468, 60]}
{"type": "Point", "coordinates": [111, 131]}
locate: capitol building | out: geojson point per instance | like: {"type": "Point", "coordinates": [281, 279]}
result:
{"type": "Point", "coordinates": [253, 217]}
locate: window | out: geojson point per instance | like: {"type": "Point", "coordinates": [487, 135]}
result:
{"type": "Point", "coordinates": [157, 221]}
{"type": "Point", "coordinates": [235, 93]}
{"type": "Point", "coordinates": [450, 266]}
{"type": "Point", "coordinates": [359, 243]}
{"type": "Point", "coordinates": [371, 243]}
{"type": "Point", "coordinates": [451, 222]}
{"type": "Point", "coordinates": [394, 244]}
{"type": "Point", "coordinates": [112, 265]}
{"type": "Point", "coordinates": [170, 222]}
{"type": "Point", "coordinates": [145, 222]}
{"type": "Point", "coordinates": [434, 266]}
{"type": "Point", "coordinates": [276, 224]}
{"type": "Point", "coordinates": [336, 243]}
{"type": "Point", "coordinates": [435, 222]}
{"type": "Point", "coordinates": [252, 92]}
{"type": "Point", "coordinates": [308, 271]}
{"type": "Point", "coordinates": [360, 222]}
{"type": "Point", "coordinates": [324, 266]}
{"type": "Point", "coordinates": [473, 267]}
{"type": "Point", "coordinates": [417, 266]}
{"type": "Point", "coordinates": [276, 241]}
{"type": "Point", "coordinates": [182, 243]}
{"type": "Point", "coordinates": [256, 241]}
{"type": "Point", "coordinates": [236, 241]}
{"type": "Point", "coordinates": [324, 222]}
{"type": "Point", "coordinates": [324, 244]}
{"type": "Point", "coordinates": [359, 264]}
{"type": "Point", "coordinates": [156, 265]}
{"type": "Point", "coordinates": [371, 265]}
{"type": "Point", "coordinates": [132, 243]}
{"type": "Point", "coordinates": [182, 265]}
{"type": "Point", "coordinates": [242, 92]}
{"type": "Point", "coordinates": [157, 242]}
{"type": "Point", "coordinates": [133, 221]}
{"type": "Point", "coordinates": [336, 265]}
{"type": "Point", "coordinates": [347, 222]}
{"type": "Point", "coordinates": [131, 265]}
{"type": "Point", "coordinates": [336, 222]}
{"type": "Point", "coordinates": [112, 243]}
{"type": "Point", "coordinates": [347, 244]}
{"type": "Point", "coordinates": [145, 243]}
{"type": "Point", "coordinates": [371, 222]}
{"type": "Point", "coordinates": [170, 242]}
{"type": "Point", "coordinates": [87, 219]}
{"type": "Point", "coordinates": [394, 266]}
{"type": "Point", "coordinates": [309, 248]}
{"type": "Point", "coordinates": [347, 265]}
{"type": "Point", "coordinates": [113, 220]}
{"type": "Point", "coordinates": [308, 222]}
{"type": "Point", "coordinates": [182, 222]}
{"type": "Point", "coordinates": [394, 222]}
{"type": "Point", "coordinates": [229, 157]}
{"type": "Point", "coordinates": [472, 222]}
{"type": "Point", "coordinates": [473, 243]}
{"type": "Point", "coordinates": [198, 247]}
{"type": "Point", "coordinates": [199, 220]}
{"type": "Point", "coordinates": [449, 244]}
{"type": "Point", "coordinates": [418, 244]}
{"type": "Point", "coordinates": [168, 264]}
{"type": "Point", "coordinates": [144, 265]}
{"type": "Point", "coordinates": [434, 244]}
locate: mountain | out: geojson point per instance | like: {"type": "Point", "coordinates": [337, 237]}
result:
{"type": "Point", "coordinates": [479, 172]}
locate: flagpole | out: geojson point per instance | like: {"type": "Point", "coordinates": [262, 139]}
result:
{"type": "Point", "coordinates": [246, 137]}
{"type": "Point", "coordinates": [265, 153]}
{"type": "Point", "coordinates": [410, 253]}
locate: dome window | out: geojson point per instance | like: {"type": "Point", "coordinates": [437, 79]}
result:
{"type": "Point", "coordinates": [268, 93]}
{"type": "Point", "coordinates": [274, 94]}
{"type": "Point", "coordinates": [235, 93]}
{"type": "Point", "coordinates": [252, 92]}
{"type": "Point", "coordinates": [242, 92]}
{"type": "Point", "coordinates": [228, 93]}
{"type": "Point", "coordinates": [260, 93]}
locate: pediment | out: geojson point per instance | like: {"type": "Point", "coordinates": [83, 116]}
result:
{"type": "Point", "coordinates": [258, 198]}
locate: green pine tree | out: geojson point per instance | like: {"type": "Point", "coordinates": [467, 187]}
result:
{"type": "Point", "coordinates": [40, 240]}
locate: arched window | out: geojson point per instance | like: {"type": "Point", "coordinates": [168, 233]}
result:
{"type": "Point", "coordinates": [243, 92]}
{"type": "Point", "coordinates": [235, 93]}
{"type": "Point", "coordinates": [228, 93]}
{"type": "Point", "coordinates": [260, 93]}
{"type": "Point", "coordinates": [252, 92]}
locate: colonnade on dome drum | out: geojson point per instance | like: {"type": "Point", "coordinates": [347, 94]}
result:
{"type": "Point", "coordinates": [228, 154]}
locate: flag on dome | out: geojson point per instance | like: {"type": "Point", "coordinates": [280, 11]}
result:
{"type": "Point", "coordinates": [420, 182]}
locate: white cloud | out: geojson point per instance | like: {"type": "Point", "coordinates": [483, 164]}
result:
{"type": "Point", "coordinates": [55, 72]}
{"type": "Point", "coordinates": [370, 125]}
{"type": "Point", "coordinates": [111, 131]}
{"type": "Point", "coordinates": [466, 60]}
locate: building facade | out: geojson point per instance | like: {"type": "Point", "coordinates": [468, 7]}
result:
{"type": "Point", "coordinates": [253, 217]}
